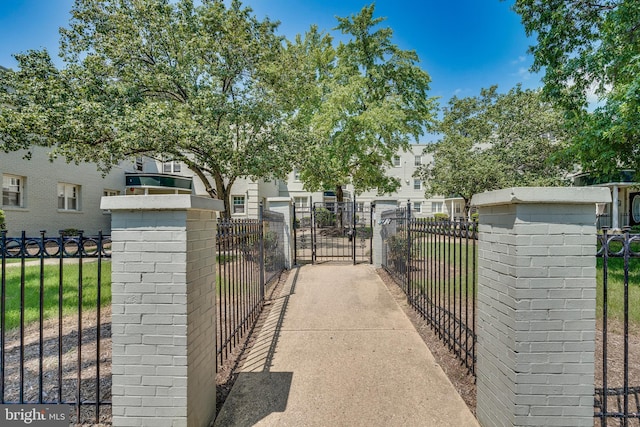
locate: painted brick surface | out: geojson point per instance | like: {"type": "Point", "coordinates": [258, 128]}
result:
{"type": "Point", "coordinates": [163, 318]}
{"type": "Point", "coordinates": [536, 315]}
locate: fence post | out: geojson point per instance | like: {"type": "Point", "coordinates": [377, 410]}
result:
{"type": "Point", "coordinates": [163, 309]}
{"type": "Point", "coordinates": [283, 205]}
{"type": "Point", "coordinates": [408, 261]}
{"type": "Point", "coordinates": [536, 305]}
{"type": "Point", "coordinates": [379, 206]}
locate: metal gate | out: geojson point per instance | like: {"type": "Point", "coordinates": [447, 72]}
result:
{"type": "Point", "coordinates": [333, 231]}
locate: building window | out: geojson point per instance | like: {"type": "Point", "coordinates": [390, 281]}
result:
{"type": "Point", "coordinates": [359, 206]}
{"type": "Point", "coordinates": [436, 207]}
{"type": "Point", "coordinates": [396, 161]}
{"type": "Point", "coordinates": [417, 207]}
{"type": "Point", "coordinates": [417, 184]}
{"type": "Point", "coordinates": [301, 202]}
{"type": "Point", "coordinates": [418, 161]}
{"type": "Point", "coordinates": [238, 205]}
{"type": "Point", "coordinates": [138, 164]}
{"type": "Point", "coordinates": [110, 193]}
{"type": "Point", "coordinates": [12, 191]}
{"type": "Point", "coordinates": [68, 197]}
{"type": "Point", "coordinates": [171, 167]}
{"type": "Point", "coordinates": [296, 175]}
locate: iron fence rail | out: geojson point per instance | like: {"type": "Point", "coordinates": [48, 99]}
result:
{"type": "Point", "coordinates": [617, 399]}
{"type": "Point", "coordinates": [435, 264]}
{"type": "Point", "coordinates": [56, 335]}
{"type": "Point", "coordinates": [250, 256]}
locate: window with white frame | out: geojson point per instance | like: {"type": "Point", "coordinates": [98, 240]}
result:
{"type": "Point", "coordinates": [417, 184]}
{"type": "Point", "coordinates": [171, 167]}
{"type": "Point", "coordinates": [296, 175]}
{"type": "Point", "coordinates": [68, 197]}
{"type": "Point", "coordinates": [417, 207]}
{"type": "Point", "coordinates": [396, 161]}
{"type": "Point", "coordinates": [238, 204]}
{"type": "Point", "coordinates": [436, 207]}
{"type": "Point", "coordinates": [301, 202]}
{"type": "Point", "coordinates": [418, 161]}
{"type": "Point", "coordinates": [13, 191]}
{"type": "Point", "coordinates": [109, 193]}
{"type": "Point", "coordinates": [138, 164]}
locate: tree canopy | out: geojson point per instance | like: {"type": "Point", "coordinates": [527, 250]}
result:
{"type": "Point", "coordinates": [494, 141]}
{"type": "Point", "coordinates": [587, 49]}
{"type": "Point", "coordinates": [367, 98]}
{"type": "Point", "coordinates": [206, 85]}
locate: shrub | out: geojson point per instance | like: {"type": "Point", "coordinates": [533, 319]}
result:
{"type": "Point", "coordinates": [3, 223]}
{"type": "Point", "coordinates": [324, 217]}
{"type": "Point", "coordinates": [441, 217]}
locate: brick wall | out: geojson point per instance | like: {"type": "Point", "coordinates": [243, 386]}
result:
{"type": "Point", "coordinates": [536, 308]}
{"type": "Point", "coordinates": [163, 302]}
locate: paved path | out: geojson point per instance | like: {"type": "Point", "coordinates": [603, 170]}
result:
{"type": "Point", "coordinates": [337, 350]}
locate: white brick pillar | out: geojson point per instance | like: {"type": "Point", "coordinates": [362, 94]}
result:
{"type": "Point", "coordinates": [381, 205]}
{"type": "Point", "coordinates": [284, 206]}
{"type": "Point", "coordinates": [163, 309]}
{"type": "Point", "coordinates": [536, 306]}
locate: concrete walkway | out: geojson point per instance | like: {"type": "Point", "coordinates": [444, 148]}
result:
{"type": "Point", "coordinates": [337, 350]}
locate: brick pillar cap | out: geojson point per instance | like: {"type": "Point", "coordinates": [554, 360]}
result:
{"type": "Point", "coordinates": [157, 202]}
{"type": "Point", "coordinates": [549, 195]}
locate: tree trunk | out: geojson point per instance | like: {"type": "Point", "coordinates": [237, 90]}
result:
{"type": "Point", "coordinates": [339, 206]}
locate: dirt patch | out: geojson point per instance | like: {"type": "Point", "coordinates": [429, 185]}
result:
{"type": "Point", "coordinates": [61, 359]}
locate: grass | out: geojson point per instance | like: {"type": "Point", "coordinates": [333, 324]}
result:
{"type": "Point", "coordinates": [615, 289]}
{"type": "Point", "coordinates": [51, 288]}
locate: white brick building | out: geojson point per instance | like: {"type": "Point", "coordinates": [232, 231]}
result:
{"type": "Point", "coordinates": [42, 195]}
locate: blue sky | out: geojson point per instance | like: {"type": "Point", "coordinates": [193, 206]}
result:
{"type": "Point", "coordinates": [464, 45]}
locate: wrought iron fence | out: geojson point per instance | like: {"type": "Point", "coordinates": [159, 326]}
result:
{"type": "Point", "coordinates": [53, 331]}
{"type": "Point", "coordinates": [617, 397]}
{"type": "Point", "coordinates": [250, 255]}
{"type": "Point", "coordinates": [435, 264]}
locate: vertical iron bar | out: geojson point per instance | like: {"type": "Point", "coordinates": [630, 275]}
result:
{"type": "Point", "coordinates": [627, 250]}
{"type": "Point", "coordinates": [371, 214]}
{"type": "Point", "coordinates": [3, 307]}
{"type": "Point", "coordinates": [80, 284]}
{"type": "Point", "coordinates": [473, 296]}
{"type": "Point", "coordinates": [295, 235]}
{"type": "Point", "coordinates": [261, 237]}
{"type": "Point", "coordinates": [605, 313]}
{"type": "Point", "coordinates": [313, 233]}
{"type": "Point", "coordinates": [60, 300]}
{"type": "Point", "coordinates": [98, 324]}
{"type": "Point", "coordinates": [41, 319]}
{"type": "Point", "coordinates": [23, 249]}
{"type": "Point", "coordinates": [408, 254]}
{"type": "Point", "coordinates": [354, 232]}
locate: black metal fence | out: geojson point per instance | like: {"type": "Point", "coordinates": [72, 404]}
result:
{"type": "Point", "coordinates": [617, 400]}
{"type": "Point", "coordinates": [332, 231]}
{"type": "Point", "coordinates": [435, 264]}
{"type": "Point", "coordinates": [250, 255]}
{"type": "Point", "coordinates": [54, 334]}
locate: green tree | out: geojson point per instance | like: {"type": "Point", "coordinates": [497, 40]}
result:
{"type": "Point", "coordinates": [366, 99]}
{"type": "Point", "coordinates": [589, 48]}
{"type": "Point", "coordinates": [494, 141]}
{"type": "Point", "coordinates": [205, 85]}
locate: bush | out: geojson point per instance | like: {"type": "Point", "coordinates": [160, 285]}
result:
{"type": "Point", "coordinates": [3, 223]}
{"type": "Point", "coordinates": [324, 217]}
{"type": "Point", "coordinates": [441, 217]}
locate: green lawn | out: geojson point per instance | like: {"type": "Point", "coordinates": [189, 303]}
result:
{"type": "Point", "coordinates": [615, 289]}
{"type": "Point", "coordinates": [51, 289]}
